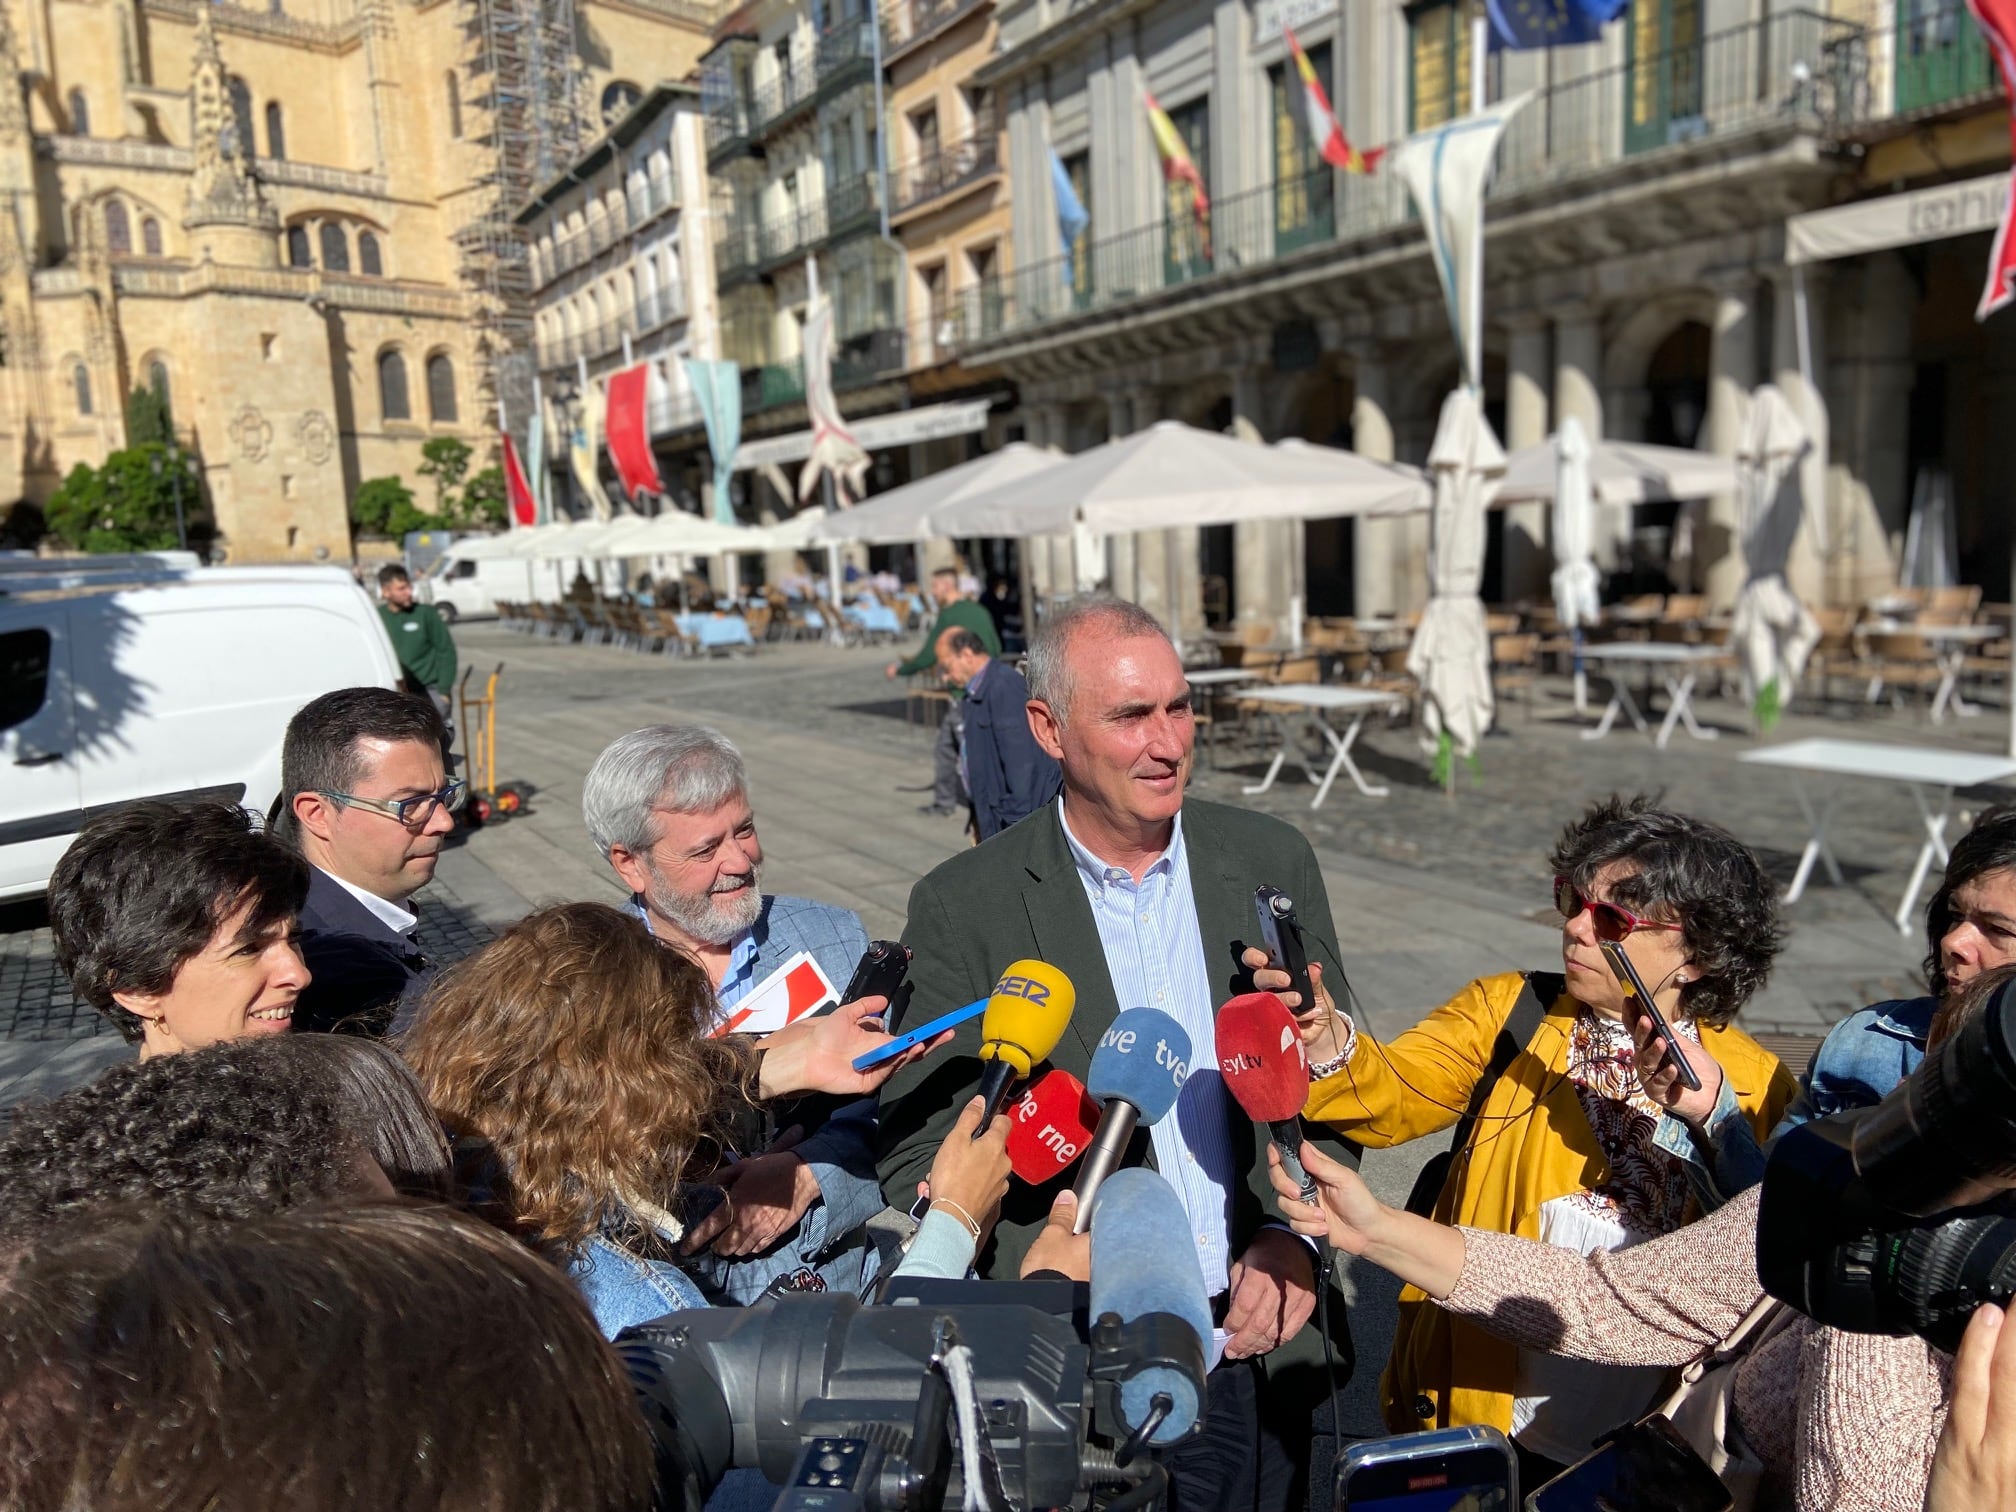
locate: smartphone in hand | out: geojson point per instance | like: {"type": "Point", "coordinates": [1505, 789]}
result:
{"type": "Point", "coordinates": [879, 973]}
{"type": "Point", "coordinates": [1634, 988]}
{"type": "Point", "coordinates": [1281, 934]}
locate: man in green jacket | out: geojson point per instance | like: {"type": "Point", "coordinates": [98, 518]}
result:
{"type": "Point", "coordinates": [419, 637]}
{"type": "Point", "coordinates": [955, 611]}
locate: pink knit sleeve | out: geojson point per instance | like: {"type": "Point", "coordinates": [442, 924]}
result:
{"type": "Point", "coordinates": [1657, 1303]}
{"type": "Point", "coordinates": [1870, 1412]}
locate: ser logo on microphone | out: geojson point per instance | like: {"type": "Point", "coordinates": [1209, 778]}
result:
{"type": "Point", "coordinates": [1023, 987]}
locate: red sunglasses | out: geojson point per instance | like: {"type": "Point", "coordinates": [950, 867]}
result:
{"type": "Point", "coordinates": [1609, 921]}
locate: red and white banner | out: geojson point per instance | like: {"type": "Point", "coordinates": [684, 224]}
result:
{"type": "Point", "coordinates": [783, 997]}
{"type": "Point", "coordinates": [629, 436]}
{"type": "Point", "coordinates": [1998, 24]}
{"type": "Point", "coordinates": [524, 508]}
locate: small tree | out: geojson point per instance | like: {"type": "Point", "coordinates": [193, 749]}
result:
{"type": "Point", "coordinates": [148, 422]}
{"type": "Point", "coordinates": [483, 501]}
{"type": "Point", "coordinates": [126, 505]}
{"type": "Point", "coordinates": [447, 463]}
{"type": "Point", "coordinates": [384, 506]}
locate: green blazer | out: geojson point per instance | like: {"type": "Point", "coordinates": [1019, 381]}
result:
{"type": "Point", "coordinates": [1020, 895]}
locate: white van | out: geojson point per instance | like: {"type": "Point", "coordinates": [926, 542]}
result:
{"type": "Point", "coordinates": [149, 680]}
{"type": "Point", "coordinates": [464, 589]}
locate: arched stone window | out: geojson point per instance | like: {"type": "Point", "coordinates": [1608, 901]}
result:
{"type": "Point", "coordinates": [118, 229]}
{"type": "Point", "coordinates": [276, 132]}
{"type": "Point", "coordinates": [335, 248]}
{"type": "Point", "coordinates": [393, 403]}
{"type": "Point", "coordinates": [441, 389]}
{"type": "Point", "coordinates": [150, 236]}
{"type": "Point", "coordinates": [454, 106]}
{"type": "Point", "coordinates": [299, 254]}
{"type": "Point", "coordinates": [369, 261]}
{"type": "Point", "coordinates": [241, 113]}
{"type": "Point", "coordinates": [157, 380]}
{"type": "Point", "coordinates": [80, 383]}
{"type": "Point", "coordinates": [80, 114]}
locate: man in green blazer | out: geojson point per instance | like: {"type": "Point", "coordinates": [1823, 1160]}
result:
{"type": "Point", "coordinates": [1141, 899]}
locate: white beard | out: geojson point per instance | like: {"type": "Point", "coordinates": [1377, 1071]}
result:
{"type": "Point", "coordinates": [712, 918]}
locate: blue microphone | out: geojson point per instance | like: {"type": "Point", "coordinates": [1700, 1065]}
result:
{"type": "Point", "coordinates": [1144, 1262]}
{"type": "Point", "coordinates": [1137, 1071]}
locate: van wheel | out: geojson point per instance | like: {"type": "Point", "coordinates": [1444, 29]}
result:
{"type": "Point", "coordinates": [447, 612]}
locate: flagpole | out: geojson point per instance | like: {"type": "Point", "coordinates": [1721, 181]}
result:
{"type": "Point", "coordinates": [1473, 335]}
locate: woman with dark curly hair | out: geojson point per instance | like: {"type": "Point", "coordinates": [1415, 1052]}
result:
{"type": "Point", "coordinates": [1558, 1140]}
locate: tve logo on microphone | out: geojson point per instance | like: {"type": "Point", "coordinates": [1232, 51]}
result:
{"type": "Point", "coordinates": [1123, 1039]}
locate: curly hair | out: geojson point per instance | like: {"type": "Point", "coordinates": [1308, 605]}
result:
{"type": "Point", "coordinates": [143, 889]}
{"type": "Point", "coordinates": [1687, 871]}
{"type": "Point", "coordinates": [576, 1047]}
{"type": "Point", "coordinates": [222, 1133]}
{"type": "Point", "coordinates": [1989, 846]}
{"type": "Point", "coordinates": [377, 1356]}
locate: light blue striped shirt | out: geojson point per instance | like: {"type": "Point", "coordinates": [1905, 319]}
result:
{"type": "Point", "coordinates": [1154, 951]}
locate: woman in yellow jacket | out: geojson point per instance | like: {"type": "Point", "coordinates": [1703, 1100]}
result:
{"type": "Point", "coordinates": [1566, 1147]}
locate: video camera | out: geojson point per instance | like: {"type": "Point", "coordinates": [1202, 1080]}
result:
{"type": "Point", "coordinates": [1899, 1219]}
{"type": "Point", "coordinates": [851, 1406]}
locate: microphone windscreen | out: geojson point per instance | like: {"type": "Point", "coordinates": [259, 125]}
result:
{"type": "Point", "coordinates": [1049, 1126]}
{"type": "Point", "coordinates": [1143, 1058]}
{"type": "Point", "coordinates": [1144, 1260]}
{"type": "Point", "coordinates": [1260, 1053]}
{"type": "Point", "coordinates": [1026, 1014]}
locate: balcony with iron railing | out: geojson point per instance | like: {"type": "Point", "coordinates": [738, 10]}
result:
{"type": "Point", "coordinates": [952, 167]}
{"type": "Point", "coordinates": [945, 331]}
{"type": "Point", "coordinates": [651, 197]}
{"type": "Point", "coordinates": [846, 53]}
{"type": "Point", "coordinates": [666, 413]}
{"type": "Point", "coordinates": [727, 129]}
{"type": "Point", "coordinates": [778, 99]}
{"type": "Point", "coordinates": [1797, 71]}
{"type": "Point", "coordinates": [907, 22]}
{"type": "Point", "coordinates": [737, 250]}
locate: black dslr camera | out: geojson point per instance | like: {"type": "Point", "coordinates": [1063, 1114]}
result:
{"type": "Point", "coordinates": [1900, 1218]}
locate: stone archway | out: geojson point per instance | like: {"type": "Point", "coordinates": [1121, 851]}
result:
{"type": "Point", "coordinates": [1628, 355]}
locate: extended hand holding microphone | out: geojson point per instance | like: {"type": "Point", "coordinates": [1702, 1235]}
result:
{"type": "Point", "coordinates": [1025, 1017]}
{"type": "Point", "coordinates": [1267, 1072]}
{"type": "Point", "coordinates": [1137, 1072]}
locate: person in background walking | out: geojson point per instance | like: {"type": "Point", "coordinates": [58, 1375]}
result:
{"type": "Point", "coordinates": [955, 612]}
{"type": "Point", "coordinates": [1008, 775]}
{"type": "Point", "coordinates": [420, 637]}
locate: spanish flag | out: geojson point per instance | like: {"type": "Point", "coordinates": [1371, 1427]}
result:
{"type": "Point", "coordinates": [1178, 166]}
{"type": "Point", "coordinates": [1324, 131]}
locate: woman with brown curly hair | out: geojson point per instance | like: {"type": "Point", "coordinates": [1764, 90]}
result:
{"type": "Point", "coordinates": [573, 1055]}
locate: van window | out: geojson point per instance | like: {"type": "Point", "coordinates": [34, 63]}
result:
{"type": "Point", "coordinates": [24, 675]}
{"type": "Point", "coordinates": [465, 569]}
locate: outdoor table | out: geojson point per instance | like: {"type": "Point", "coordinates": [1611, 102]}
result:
{"type": "Point", "coordinates": [1318, 700]}
{"type": "Point", "coordinates": [1214, 677]}
{"type": "Point", "coordinates": [1931, 775]}
{"type": "Point", "coordinates": [1681, 664]}
{"type": "Point", "coordinates": [1949, 645]}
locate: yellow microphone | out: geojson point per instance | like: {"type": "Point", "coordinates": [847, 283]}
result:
{"type": "Point", "coordinates": [1025, 1017]}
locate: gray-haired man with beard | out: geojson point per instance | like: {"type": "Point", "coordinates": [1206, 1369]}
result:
{"type": "Point", "coordinates": [669, 806]}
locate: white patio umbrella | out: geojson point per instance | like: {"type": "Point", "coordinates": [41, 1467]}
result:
{"type": "Point", "coordinates": [1451, 655]}
{"type": "Point", "coordinates": [1619, 472]}
{"type": "Point", "coordinates": [1772, 630]}
{"type": "Point", "coordinates": [1578, 599]}
{"type": "Point", "coordinates": [907, 514]}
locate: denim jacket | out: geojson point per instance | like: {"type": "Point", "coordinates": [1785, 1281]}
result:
{"type": "Point", "coordinates": [1864, 1056]}
{"type": "Point", "coordinates": [625, 1289]}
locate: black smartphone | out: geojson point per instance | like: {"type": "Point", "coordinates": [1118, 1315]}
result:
{"type": "Point", "coordinates": [1281, 933]}
{"type": "Point", "coordinates": [1646, 1467]}
{"type": "Point", "coordinates": [1634, 987]}
{"type": "Point", "coordinates": [1448, 1470]}
{"type": "Point", "coordinates": [879, 972]}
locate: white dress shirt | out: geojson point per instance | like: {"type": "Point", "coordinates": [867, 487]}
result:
{"type": "Point", "coordinates": [389, 914]}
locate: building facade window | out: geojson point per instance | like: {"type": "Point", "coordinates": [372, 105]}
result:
{"type": "Point", "coordinates": [157, 380]}
{"type": "Point", "coordinates": [617, 99]}
{"type": "Point", "coordinates": [276, 132]}
{"type": "Point", "coordinates": [80, 384]}
{"type": "Point", "coordinates": [298, 253]}
{"type": "Point", "coordinates": [370, 262]}
{"type": "Point", "coordinates": [118, 229]}
{"type": "Point", "coordinates": [150, 236]}
{"type": "Point", "coordinates": [1438, 74]}
{"type": "Point", "coordinates": [80, 114]}
{"type": "Point", "coordinates": [1304, 208]}
{"type": "Point", "coordinates": [441, 389]}
{"type": "Point", "coordinates": [393, 403]}
{"type": "Point", "coordinates": [241, 112]}
{"type": "Point", "coordinates": [335, 249]}
{"type": "Point", "coordinates": [454, 86]}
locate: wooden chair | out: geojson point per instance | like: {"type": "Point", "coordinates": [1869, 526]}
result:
{"type": "Point", "coordinates": [1900, 660]}
{"type": "Point", "coordinates": [1515, 666]}
{"type": "Point", "coordinates": [1837, 654]}
{"type": "Point", "coordinates": [759, 619]}
{"type": "Point", "coordinates": [1962, 600]}
{"type": "Point", "coordinates": [1685, 606]}
{"type": "Point", "coordinates": [1501, 622]}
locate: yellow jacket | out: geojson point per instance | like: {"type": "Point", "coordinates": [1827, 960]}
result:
{"type": "Point", "coordinates": [1532, 1143]}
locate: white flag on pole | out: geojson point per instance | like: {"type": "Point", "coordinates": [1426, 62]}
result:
{"type": "Point", "coordinates": [1446, 169]}
{"type": "Point", "coordinates": [834, 448]}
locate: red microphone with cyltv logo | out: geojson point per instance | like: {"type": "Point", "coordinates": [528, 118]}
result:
{"type": "Point", "coordinates": [1267, 1072]}
{"type": "Point", "coordinates": [1049, 1126]}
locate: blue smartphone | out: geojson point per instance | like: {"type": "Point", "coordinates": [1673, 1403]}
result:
{"type": "Point", "coordinates": [921, 1033]}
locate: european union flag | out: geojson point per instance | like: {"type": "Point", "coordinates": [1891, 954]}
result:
{"type": "Point", "coordinates": [1549, 23]}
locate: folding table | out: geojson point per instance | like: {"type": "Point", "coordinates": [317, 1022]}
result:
{"type": "Point", "coordinates": [1932, 776]}
{"type": "Point", "coordinates": [1317, 700]}
{"type": "Point", "coordinates": [1682, 663]}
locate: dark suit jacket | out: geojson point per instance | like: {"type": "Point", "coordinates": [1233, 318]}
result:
{"type": "Point", "coordinates": [1008, 775]}
{"type": "Point", "coordinates": [364, 970]}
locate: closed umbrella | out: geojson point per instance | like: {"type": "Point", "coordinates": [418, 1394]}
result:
{"type": "Point", "coordinates": [1772, 630]}
{"type": "Point", "coordinates": [1577, 584]}
{"type": "Point", "coordinates": [1451, 655]}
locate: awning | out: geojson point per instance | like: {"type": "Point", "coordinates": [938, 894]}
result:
{"type": "Point", "coordinates": [929, 422]}
{"type": "Point", "coordinates": [1897, 220]}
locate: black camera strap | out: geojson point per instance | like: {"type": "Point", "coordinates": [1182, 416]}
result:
{"type": "Point", "coordinates": [1539, 989]}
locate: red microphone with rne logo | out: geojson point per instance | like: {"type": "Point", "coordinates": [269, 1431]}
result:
{"type": "Point", "coordinates": [1049, 1126]}
{"type": "Point", "coordinates": [1267, 1072]}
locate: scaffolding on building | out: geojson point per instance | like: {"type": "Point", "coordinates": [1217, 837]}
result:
{"type": "Point", "coordinates": [524, 73]}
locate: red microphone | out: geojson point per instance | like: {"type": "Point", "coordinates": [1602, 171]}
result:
{"type": "Point", "coordinates": [1049, 1126]}
{"type": "Point", "coordinates": [1267, 1071]}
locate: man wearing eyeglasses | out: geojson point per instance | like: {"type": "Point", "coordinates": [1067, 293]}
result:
{"type": "Point", "coordinates": [368, 802]}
